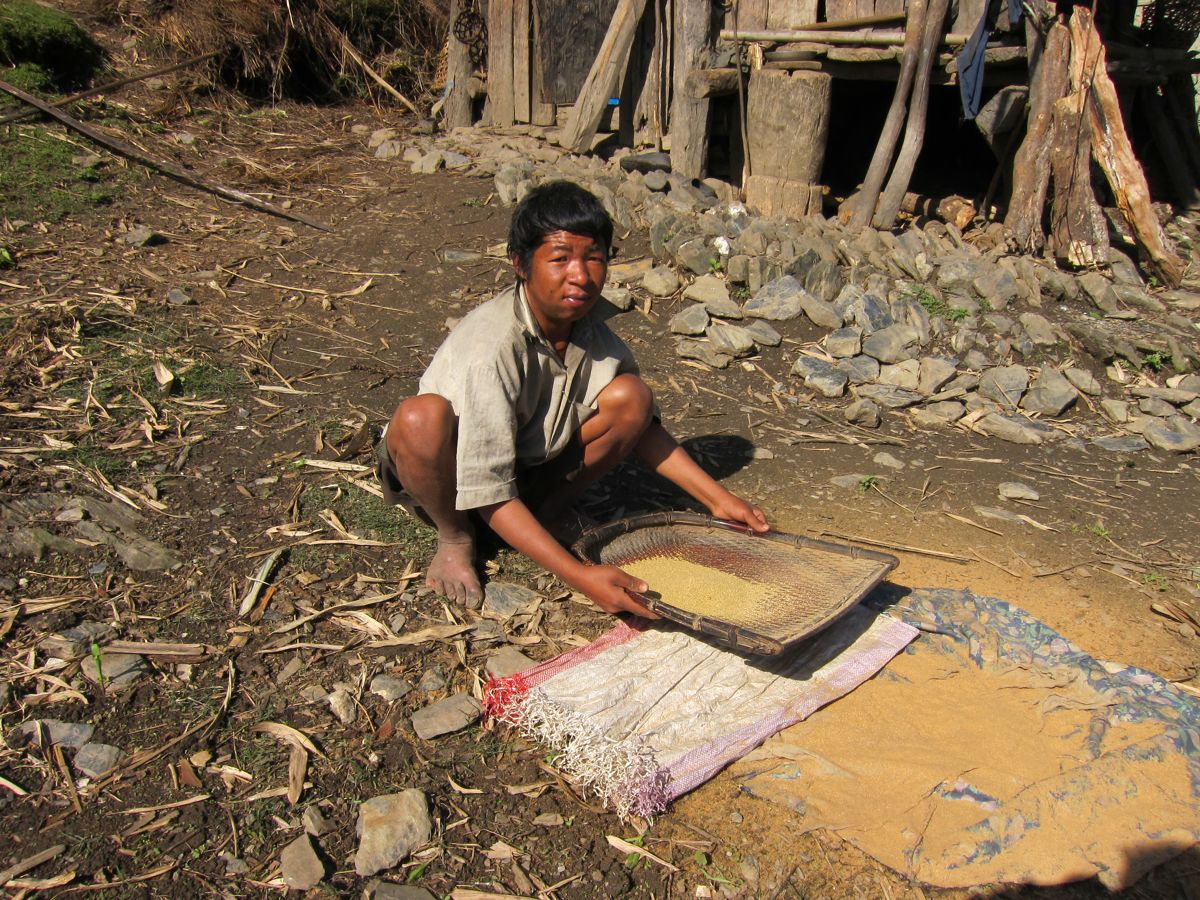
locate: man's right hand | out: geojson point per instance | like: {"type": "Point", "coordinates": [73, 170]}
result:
{"type": "Point", "coordinates": [608, 587]}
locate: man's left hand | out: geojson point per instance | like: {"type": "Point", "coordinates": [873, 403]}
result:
{"type": "Point", "coordinates": [735, 509]}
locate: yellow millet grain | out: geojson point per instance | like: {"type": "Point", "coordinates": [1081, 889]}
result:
{"type": "Point", "coordinates": [701, 589]}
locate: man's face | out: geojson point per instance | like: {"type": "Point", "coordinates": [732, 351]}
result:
{"type": "Point", "coordinates": [564, 280]}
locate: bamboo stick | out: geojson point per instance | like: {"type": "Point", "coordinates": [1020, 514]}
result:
{"type": "Point", "coordinates": [878, 38]}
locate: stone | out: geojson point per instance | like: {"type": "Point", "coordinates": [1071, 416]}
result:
{"type": "Point", "coordinates": [849, 482]}
{"type": "Point", "coordinates": [75, 641]}
{"type": "Point", "coordinates": [445, 716]}
{"type": "Point", "coordinates": [119, 670]}
{"type": "Point", "coordinates": [997, 287]}
{"type": "Point", "coordinates": [508, 661]}
{"type": "Point", "coordinates": [1015, 490]}
{"type": "Point", "coordinates": [1039, 329]}
{"type": "Point", "coordinates": [432, 679]}
{"type": "Point", "coordinates": [824, 281]}
{"type": "Point", "coordinates": [863, 412]}
{"type": "Point", "coordinates": [901, 375]}
{"type": "Point", "coordinates": [888, 396]}
{"type": "Point", "coordinates": [828, 384]}
{"type": "Point", "coordinates": [648, 163]}
{"type": "Point", "coordinates": [859, 369]}
{"type": "Point", "coordinates": [71, 735]}
{"type": "Point", "coordinates": [456, 257]}
{"type": "Point", "coordinates": [621, 298]}
{"type": "Point", "coordinates": [381, 136]}
{"type": "Point", "coordinates": [179, 297]}
{"type": "Point", "coordinates": [820, 313]}
{"type": "Point", "coordinates": [691, 320]}
{"type": "Point", "coordinates": [429, 163]}
{"type": "Point", "coordinates": [389, 150]}
{"type": "Point", "coordinates": [934, 373]}
{"type": "Point", "coordinates": [1050, 394]}
{"type": "Point", "coordinates": [504, 600]}
{"type": "Point", "coordinates": [885, 459]}
{"type": "Point", "coordinates": [314, 821]}
{"type": "Point", "coordinates": [1116, 411]}
{"type": "Point", "coordinates": [869, 313]}
{"type": "Point", "coordinates": [389, 828]}
{"type": "Point", "coordinates": [731, 339]}
{"type": "Point", "coordinates": [1175, 435]}
{"type": "Point", "coordinates": [389, 687]}
{"type": "Point", "coordinates": [956, 272]}
{"type": "Point", "coordinates": [1135, 295]}
{"type": "Point", "coordinates": [94, 759]}
{"type": "Point", "coordinates": [1100, 291]}
{"type": "Point", "coordinates": [976, 360]}
{"type": "Point", "coordinates": [660, 281]}
{"type": "Point", "coordinates": [313, 693]}
{"type": "Point", "coordinates": [941, 412]}
{"type": "Point", "coordinates": [811, 365]}
{"type": "Point", "coordinates": [702, 351]}
{"type": "Point", "coordinates": [300, 866]}
{"type": "Point", "coordinates": [764, 335]}
{"type": "Point", "coordinates": [778, 300]}
{"type": "Point", "coordinates": [696, 256]}
{"type": "Point", "coordinates": [1124, 443]}
{"type": "Point", "coordinates": [1004, 385]}
{"type": "Point", "coordinates": [656, 181]}
{"type": "Point", "coordinates": [386, 890]}
{"type": "Point", "coordinates": [142, 236]}
{"type": "Point", "coordinates": [454, 161]}
{"type": "Point", "coordinates": [342, 705]}
{"type": "Point", "coordinates": [1083, 380]}
{"type": "Point", "coordinates": [1175, 396]}
{"type": "Point", "coordinates": [843, 342]}
{"type": "Point", "coordinates": [1152, 406]}
{"type": "Point", "coordinates": [892, 344]}
{"type": "Point", "coordinates": [713, 293]}
{"type": "Point", "coordinates": [1016, 429]}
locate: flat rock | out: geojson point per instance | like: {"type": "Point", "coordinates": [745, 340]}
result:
{"type": "Point", "coordinates": [661, 281]}
{"type": "Point", "coordinates": [702, 351]}
{"type": "Point", "coordinates": [619, 297]}
{"type": "Point", "coordinates": [827, 384]}
{"type": "Point", "coordinates": [72, 735]}
{"type": "Point", "coordinates": [888, 396]}
{"type": "Point", "coordinates": [300, 866]}
{"type": "Point", "coordinates": [850, 482]}
{"type": "Point", "coordinates": [934, 373]}
{"type": "Point", "coordinates": [893, 344]}
{"type": "Point", "coordinates": [1051, 394]}
{"type": "Point", "coordinates": [867, 311]}
{"type": "Point", "coordinates": [778, 300]}
{"type": "Point", "coordinates": [386, 890]}
{"type": "Point", "coordinates": [656, 181]}
{"type": "Point", "coordinates": [901, 375]}
{"type": "Point", "coordinates": [389, 687]}
{"type": "Point", "coordinates": [863, 412]}
{"type": "Point", "coordinates": [1083, 380]}
{"type": "Point", "coordinates": [764, 335]}
{"type": "Point", "coordinates": [389, 828]}
{"type": "Point", "coordinates": [341, 704]}
{"type": "Point", "coordinates": [94, 759]}
{"type": "Point", "coordinates": [1123, 443]}
{"type": "Point", "coordinates": [820, 313]}
{"type": "Point", "coordinates": [381, 136]}
{"type": "Point", "coordinates": [314, 821]}
{"type": "Point", "coordinates": [1175, 396]}
{"type": "Point", "coordinates": [389, 150]}
{"type": "Point", "coordinates": [1116, 411]}
{"type": "Point", "coordinates": [1015, 490]}
{"type": "Point", "coordinates": [941, 412]}
{"type": "Point", "coordinates": [119, 670]}
{"type": "Point", "coordinates": [142, 236]}
{"type": "Point", "coordinates": [690, 320]}
{"type": "Point", "coordinates": [1152, 406]}
{"type": "Point", "coordinates": [444, 717]}
{"type": "Point", "coordinates": [1100, 291]}
{"type": "Point", "coordinates": [1174, 435]}
{"type": "Point", "coordinates": [1016, 429]}
{"type": "Point", "coordinates": [505, 600]}
{"type": "Point", "coordinates": [805, 366]}
{"type": "Point", "coordinates": [713, 293]}
{"type": "Point", "coordinates": [859, 369]}
{"type": "Point", "coordinates": [455, 161]}
{"type": "Point", "coordinates": [508, 661]}
{"type": "Point", "coordinates": [179, 297]}
{"type": "Point", "coordinates": [885, 459]}
{"type": "Point", "coordinates": [731, 339]}
{"type": "Point", "coordinates": [429, 163]}
{"type": "Point", "coordinates": [843, 342]}
{"type": "Point", "coordinates": [1004, 385]}
{"type": "Point", "coordinates": [1039, 329]}
{"type": "Point", "coordinates": [824, 281]}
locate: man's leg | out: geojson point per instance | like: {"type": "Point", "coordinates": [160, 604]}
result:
{"type": "Point", "coordinates": [623, 412]}
{"type": "Point", "coordinates": [422, 440]}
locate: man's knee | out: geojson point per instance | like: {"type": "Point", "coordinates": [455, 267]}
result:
{"type": "Point", "coordinates": [629, 401]}
{"type": "Point", "coordinates": [421, 426]}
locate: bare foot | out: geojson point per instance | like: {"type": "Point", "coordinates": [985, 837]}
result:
{"type": "Point", "coordinates": [452, 572]}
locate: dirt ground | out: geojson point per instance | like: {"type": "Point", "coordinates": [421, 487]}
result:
{"type": "Point", "coordinates": [295, 344]}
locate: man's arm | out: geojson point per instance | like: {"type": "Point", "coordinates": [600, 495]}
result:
{"type": "Point", "coordinates": [662, 453]}
{"type": "Point", "coordinates": [606, 586]}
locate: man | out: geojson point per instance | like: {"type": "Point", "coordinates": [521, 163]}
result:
{"type": "Point", "coordinates": [530, 400]}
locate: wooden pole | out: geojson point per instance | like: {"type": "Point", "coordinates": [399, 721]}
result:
{"type": "Point", "coordinates": [1079, 234]}
{"type": "Point", "coordinates": [689, 116]}
{"type": "Point", "coordinates": [500, 63]}
{"type": "Point", "coordinates": [602, 79]}
{"type": "Point", "coordinates": [1111, 147]}
{"type": "Point", "coordinates": [869, 38]}
{"type": "Point", "coordinates": [163, 166]}
{"type": "Point", "coordinates": [864, 207]}
{"type": "Point", "coordinates": [457, 110]}
{"type": "Point", "coordinates": [375, 76]}
{"type": "Point", "coordinates": [914, 130]}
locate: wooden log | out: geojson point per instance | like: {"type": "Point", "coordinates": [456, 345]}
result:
{"type": "Point", "coordinates": [787, 124]}
{"type": "Point", "coordinates": [1078, 232]}
{"type": "Point", "coordinates": [522, 27]}
{"type": "Point", "coordinates": [703, 83]}
{"type": "Point", "coordinates": [457, 110]}
{"type": "Point", "coordinates": [864, 208]}
{"type": "Point", "coordinates": [772, 196]}
{"type": "Point", "coordinates": [542, 110]}
{"type": "Point", "coordinates": [601, 82]}
{"type": "Point", "coordinates": [867, 38]}
{"type": "Point", "coordinates": [914, 129]}
{"type": "Point", "coordinates": [1111, 147]}
{"type": "Point", "coordinates": [1031, 168]}
{"type": "Point", "coordinates": [501, 110]}
{"type": "Point", "coordinates": [689, 116]}
{"type": "Point", "coordinates": [790, 13]}
{"type": "Point", "coordinates": [161, 165]}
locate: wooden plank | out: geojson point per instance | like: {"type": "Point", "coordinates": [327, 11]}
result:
{"type": "Point", "coordinates": [602, 80]}
{"type": "Point", "coordinates": [689, 117]}
{"type": "Point", "coordinates": [791, 13]}
{"type": "Point", "coordinates": [541, 109]}
{"type": "Point", "coordinates": [651, 102]}
{"type": "Point", "coordinates": [1078, 232]}
{"type": "Point", "coordinates": [751, 14]}
{"type": "Point", "coordinates": [637, 79]}
{"type": "Point", "coordinates": [569, 38]}
{"type": "Point", "coordinates": [457, 111]}
{"type": "Point", "coordinates": [1031, 168]}
{"type": "Point", "coordinates": [861, 211]}
{"type": "Point", "coordinates": [500, 68]}
{"type": "Point", "coordinates": [522, 24]}
{"type": "Point", "coordinates": [1111, 147]}
{"type": "Point", "coordinates": [914, 129]}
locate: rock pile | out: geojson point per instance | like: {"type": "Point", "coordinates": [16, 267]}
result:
{"type": "Point", "coordinates": [926, 323]}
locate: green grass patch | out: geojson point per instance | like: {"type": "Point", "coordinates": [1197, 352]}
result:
{"type": "Point", "coordinates": [107, 464]}
{"type": "Point", "coordinates": [935, 306]}
{"type": "Point", "coordinates": [50, 39]}
{"type": "Point", "coordinates": [207, 379]}
{"type": "Point", "coordinates": [39, 181]}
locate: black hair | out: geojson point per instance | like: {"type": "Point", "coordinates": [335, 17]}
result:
{"type": "Point", "coordinates": [556, 206]}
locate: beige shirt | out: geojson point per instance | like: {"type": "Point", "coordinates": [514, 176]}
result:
{"type": "Point", "coordinates": [517, 403]}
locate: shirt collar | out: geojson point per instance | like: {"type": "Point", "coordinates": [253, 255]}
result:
{"type": "Point", "coordinates": [601, 312]}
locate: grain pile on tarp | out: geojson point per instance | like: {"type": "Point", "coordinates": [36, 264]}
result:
{"type": "Point", "coordinates": [299, 47]}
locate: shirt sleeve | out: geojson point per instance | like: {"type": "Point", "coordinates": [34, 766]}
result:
{"type": "Point", "coordinates": [487, 433]}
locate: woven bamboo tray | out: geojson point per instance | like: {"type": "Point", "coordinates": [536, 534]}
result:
{"type": "Point", "coordinates": [796, 586]}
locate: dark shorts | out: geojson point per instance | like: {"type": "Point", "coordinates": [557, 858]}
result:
{"type": "Point", "coordinates": [534, 485]}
